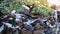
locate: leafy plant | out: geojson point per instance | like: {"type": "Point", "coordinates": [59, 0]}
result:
{"type": "Point", "coordinates": [35, 2]}
{"type": "Point", "coordinates": [46, 11]}
{"type": "Point", "coordinates": [17, 5]}
{"type": "Point", "coordinates": [9, 6]}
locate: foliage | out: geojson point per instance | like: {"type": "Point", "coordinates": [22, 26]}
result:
{"type": "Point", "coordinates": [9, 6]}
{"type": "Point", "coordinates": [42, 6]}
{"type": "Point", "coordinates": [35, 2]}
{"type": "Point", "coordinates": [46, 11]}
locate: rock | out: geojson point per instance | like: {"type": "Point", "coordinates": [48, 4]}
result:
{"type": "Point", "coordinates": [37, 21]}
{"type": "Point", "coordinates": [58, 16]}
{"type": "Point", "coordinates": [26, 32]}
{"type": "Point", "coordinates": [38, 32]}
{"type": "Point", "coordinates": [1, 28]}
{"type": "Point", "coordinates": [48, 31]}
{"type": "Point", "coordinates": [21, 17]}
{"type": "Point", "coordinates": [13, 12]}
{"type": "Point", "coordinates": [29, 27]}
